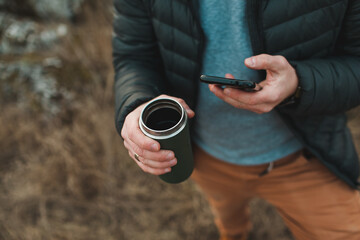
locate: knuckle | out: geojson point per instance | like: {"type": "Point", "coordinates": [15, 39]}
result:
{"type": "Point", "coordinates": [180, 100]}
{"type": "Point", "coordinates": [266, 109]}
{"type": "Point", "coordinates": [130, 134]}
{"type": "Point", "coordinates": [273, 97]}
{"type": "Point", "coordinates": [262, 57]}
{"type": "Point", "coordinates": [141, 145]}
{"type": "Point", "coordinates": [144, 144]}
{"type": "Point", "coordinates": [264, 61]}
{"type": "Point", "coordinates": [145, 168]}
{"type": "Point", "coordinates": [281, 60]}
{"type": "Point", "coordinates": [124, 132]}
{"type": "Point", "coordinates": [163, 156]}
{"type": "Point", "coordinates": [138, 150]}
{"type": "Point", "coordinates": [127, 119]}
{"type": "Point", "coordinates": [126, 145]}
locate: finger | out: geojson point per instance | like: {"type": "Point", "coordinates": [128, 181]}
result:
{"type": "Point", "coordinates": [159, 156]}
{"type": "Point", "coordinates": [188, 110]}
{"type": "Point", "coordinates": [249, 98]}
{"type": "Point", "coordinates": [149, 166]}
{"type": "Point", "coordinates": [131, 130]}
{"type": "Point", "coordinates": [266, 62]}
{"type": "Point", "coordinates": [159, 165]}
{"type": "Point", "coordinates": [154, 171]}
{"type": "Point", "coordinates": [219, 92]}
{"type": "Point", "coordinates": [256, 108]}
{"type": "Point", "coordinates": [151, 170]}
{"type": "Point", "coordinates": [149, 162]}
{"type": "Point", "coordinates": [136, 136]}
{"type": "Point", "coordinates": [229, 75]}
{"type": "Point", "coordinates": [190, 113]}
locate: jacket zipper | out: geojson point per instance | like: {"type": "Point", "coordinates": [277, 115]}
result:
{"type": "Point", "coordinates": [193, 6]}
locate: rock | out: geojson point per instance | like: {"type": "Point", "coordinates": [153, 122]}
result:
{"type": "Point", "coordinates": [52, 62]}
{"type": "Point", "coordinates": [30, 83]}
{"type": "Point", "coordinates": [22, 36]}
{"type": "Point", "coordinates": [19, 32]}
{"type": "Point", "coordinates": [32, 75]}
{"type": "Point", "coordinates": [56, 9]}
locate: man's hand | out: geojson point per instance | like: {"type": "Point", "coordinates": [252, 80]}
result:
{"type": "Point", "coordinates": [150, 158]}
{"type": "Point", "coordinates": [281, 82]}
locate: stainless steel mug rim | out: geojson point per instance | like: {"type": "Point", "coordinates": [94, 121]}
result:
{"type": "Point", "coordinates": [167, 133]}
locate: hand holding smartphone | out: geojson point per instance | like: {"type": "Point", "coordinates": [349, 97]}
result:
{"type": "Point", "coordinates": [245, 85]}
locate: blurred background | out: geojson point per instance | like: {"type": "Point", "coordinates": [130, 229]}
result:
{"type": "Point", "coordinates": [64, 173]}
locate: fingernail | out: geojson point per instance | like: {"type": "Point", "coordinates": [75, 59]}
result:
{"type": "Point", "coordinates": [250, 61]}
{"type": "Point", "coordinates": [227, 91]}
{"type": "Point", "coordinates": [173, 162]}
{"type": "Point", "coordinates": [167, 169]}
{"type": "Point", "coordinates": [170, 156]}
{"type": "Point", "coordinates": [154, 147]}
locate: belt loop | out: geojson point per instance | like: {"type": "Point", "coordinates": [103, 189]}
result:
{"type": "Point", "coordinates": [267, 170]}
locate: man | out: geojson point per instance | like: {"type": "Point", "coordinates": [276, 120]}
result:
{"type": "Point", "coordinates": [287, 143]}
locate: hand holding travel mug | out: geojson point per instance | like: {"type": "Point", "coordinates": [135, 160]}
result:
{"type": "Point", "coordinates": [165, 120]}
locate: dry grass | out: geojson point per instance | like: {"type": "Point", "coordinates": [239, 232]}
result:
{"type": "Point", "coordinates": [75, 181]}
{"type": "Point", "coordinates": [69, 177]}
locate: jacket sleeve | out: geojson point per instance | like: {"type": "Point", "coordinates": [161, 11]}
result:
{"type": "Point", "coordinates": [136, 60]}
{"type": "Point", "coordinates": [331, 85]}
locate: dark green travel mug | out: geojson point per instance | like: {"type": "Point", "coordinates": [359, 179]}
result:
{"type": "Point", "coordinates": [165, 120]}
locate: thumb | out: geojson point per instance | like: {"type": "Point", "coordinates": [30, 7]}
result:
{"type": "Point", "coordinates": [189, 111]}
{"type": "Point", "coordinates": [266, 62]}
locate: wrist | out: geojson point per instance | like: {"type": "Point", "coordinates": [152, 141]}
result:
{"type": "Point", "coordinates": [292, 99]}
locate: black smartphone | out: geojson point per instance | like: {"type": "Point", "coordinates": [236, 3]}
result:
{"type": "Point", "coordinates": [245, 85]}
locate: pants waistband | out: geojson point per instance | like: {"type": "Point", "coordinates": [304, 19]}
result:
{"type": "Point", "coordinates": [282, 161]}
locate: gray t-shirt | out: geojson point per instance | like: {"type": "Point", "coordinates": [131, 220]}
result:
{"type": "Point", "coordinates": [234, 135]}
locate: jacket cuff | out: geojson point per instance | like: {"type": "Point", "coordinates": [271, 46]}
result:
{"type": "Point", "coordinates": [306, 83]}
{"type": "Point", "coordinates": [130, 104]}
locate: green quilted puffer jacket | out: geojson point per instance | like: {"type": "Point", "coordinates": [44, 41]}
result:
{"type": "Point", "coordinates": [158, 47]}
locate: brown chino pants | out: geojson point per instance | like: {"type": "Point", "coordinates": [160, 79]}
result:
{"type": "Point", "coordinates": [314, 203]}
